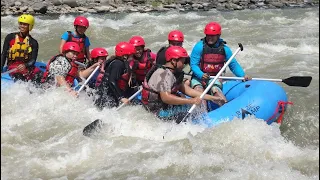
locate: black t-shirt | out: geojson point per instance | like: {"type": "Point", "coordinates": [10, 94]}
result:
{"type": "Point", "coordinates": [161, 58]}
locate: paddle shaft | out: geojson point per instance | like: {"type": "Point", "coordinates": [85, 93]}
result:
{"type": "Point", "coordinates": [298, 81]}
{"type": "Point", "coordinates": [79, 63]}
{"type": "Point", "coordinates": [7, 72]}
{"type": "Point", "coordinates": [130, 98]}
{"type": "Point", "coordinates": [242, 78]}
{"type": "Point", "coordinates": [216, 77]}
{"type": "Point", "coordinates": [91, 75]}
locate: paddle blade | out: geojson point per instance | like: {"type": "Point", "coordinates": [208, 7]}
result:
{"type": "Point", "coordinates": [301, 81]}
{"type": "Point", "coordinates": [184, 119]}
{"type": "Point", "coordinates": [92, 127]}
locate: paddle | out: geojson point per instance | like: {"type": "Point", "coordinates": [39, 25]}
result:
{"type": "Point", "coordinates": [88, 79]}
{"type": "Point", "coordinates": [212, 83]}
{"type": "Point", "coordinates": [130, 98]}
{"type": "Point", "coordinates": [97, 124]}
{"type": "Point", "coordinates": [81, 64]}
{"type": "Point", "coordinates": [300, 81]}
{"type": "Point", "coordinates": [92, 127]}
{"type": "Point", "coordinates": [7, 72]}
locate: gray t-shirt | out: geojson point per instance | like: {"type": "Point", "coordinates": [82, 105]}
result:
{"type": "Point", "coordinates": [162, 80]}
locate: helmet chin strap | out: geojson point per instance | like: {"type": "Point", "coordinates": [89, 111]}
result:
{"type": "Point", "coordinates": [214, 42]}
{"type": "Point", "coordinates": [125, 57]}
{"type": "Point", "coordinates": [174, 67]}
{"type": "Point", "coordinates": [65, 55]}
{"type": "Point", "coordinates": [76, 27]}
{"type": "Point", "coordinates": [80, 35]}
{"type": "Point", "coordinates": [138, 58]}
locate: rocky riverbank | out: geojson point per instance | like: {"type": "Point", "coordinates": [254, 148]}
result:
{"type": "Point", "coordinates": [11, 7]}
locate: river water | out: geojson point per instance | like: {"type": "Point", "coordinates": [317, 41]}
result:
{"type": "Point", "coordinates": [41, 133]}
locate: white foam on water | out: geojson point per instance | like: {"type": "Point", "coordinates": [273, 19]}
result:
{"type": "Point", "coordinates": [132, 141]}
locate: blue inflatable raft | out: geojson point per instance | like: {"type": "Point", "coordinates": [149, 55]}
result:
{"type": "Point", "coordinates": [6, 79]}
{"type": "Point", "coordinates": [263, 99]}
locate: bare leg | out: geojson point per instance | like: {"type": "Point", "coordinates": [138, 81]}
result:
{"type": "Point", "coordinates": [218, 93]}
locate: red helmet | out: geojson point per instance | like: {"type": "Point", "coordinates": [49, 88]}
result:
{"type": "Point", "coordinates": [137, 41]}
{"type": "Point", "coordinates": [176, 52]}
{"type": "Point", "coordinates": [124, 48]}
{"type": "Point", "coordinates": [81, 21]}
{"type": "Point", "coordinates": [99, 52]}
{"type": "Point", "coordinates": [71, 46]}
{"type": "Point", "coordinates": [212, 28]}
{"type": "Point", "coordinates": [176, 35]}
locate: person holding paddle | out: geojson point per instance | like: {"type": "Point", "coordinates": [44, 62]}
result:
{"type": "Point", "coordinates": [21, 51]}
{"type": "Point", "coordinates": [100, 55]}
{"type": "Point", "coordinates": [162, 83]}
{"type": "Point", "coordinates": [208, 57]}
{"type": "Point", "coordinates": [117, 84]}
{"type": "Point", "coordinates": [61, 69]}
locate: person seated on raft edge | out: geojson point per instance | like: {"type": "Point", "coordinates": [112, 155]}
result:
{"type": "Point", "coordinates": [117, 83]}
{"type": "Point", "coordinates": [142, 61]}
{"type": "Point", "coordinates": [62, 69]}
{"type": "Point", "coordinates": [164, 81]}
{"type": "Point", "coordinates": [21, 50]}
{"type": "Point", "coordinates": [207, 58]}
{"type": "Point", "coordinates": [100, 55]}
{"type": "Point", "coordinates": [81, 24]}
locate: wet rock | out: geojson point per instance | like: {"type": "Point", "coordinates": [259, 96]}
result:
{"type": "Point", "coordinates": [221, 6]}
{"type": "Point", "coordinates": [10, 7]}
{"type": "Point", "coordinates": [82, 9]}
{"type": "Point", "coordinates": [139, 1]}
{"type": "Point", "coordinates": [243, 3]}
{"type": "Point", "coordinates": [24, 8]}
{"type": "Point", "coordinates": [162, 9]}
{"type": "Point", "coordinates": [277, 4]}
{"type": "Point", "coordinates": [101, 9]}
{"type": "Point", "coordinates": [169, 6]}
{"type": "Point", "coordinates": [260, 4]}
{"type": "Point", "coordinates": [113, 5]}
{"type": "Point", "coordinates": [235, 1]}
{"type": "Point", "coordinates": [133, 10]}
{"type": "Point", "coordinates": [8, 12]}
{"type": "Point", "coordinates": [56, 2]}
{"type": "Point", "coordinates": [40, 8]}
{"type": "Point", "coordinates": [92, 11]}
{"type": "Point", "coordinates": [197, 6]}
{"type": "Point", "coordinates": [252, 6]}
{"type": "Point", "coordinates": [206, 4]}
{"type": "Point", "coordinates": [13, 8]}
{"type": "Point", "coordinates": [71, 3]}
{"type": "Point", "coordinates": [17, 3]}
{"type": "Point", "coordinates": [30, 10]}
